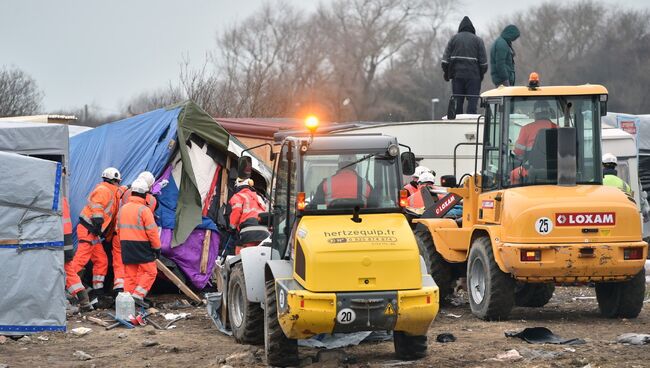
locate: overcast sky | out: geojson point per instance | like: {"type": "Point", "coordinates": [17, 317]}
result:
{"type": "Point", "coordinates": [103, 53]}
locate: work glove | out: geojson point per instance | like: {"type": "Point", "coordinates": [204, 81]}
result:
{"type": "Point", "coordinates": [445, 75]}
{"type": "Point", "coordinates": [97, 225]}
{"type": "Point", "coordinates": [156, 253]}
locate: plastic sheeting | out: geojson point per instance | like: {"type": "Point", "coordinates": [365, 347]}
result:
{"type": "Point", "coordinates": [143, 142]}
{"type": "Point", "coordinates": [188, 255]}
{"type": "Point", "coordinates": [31, 246]}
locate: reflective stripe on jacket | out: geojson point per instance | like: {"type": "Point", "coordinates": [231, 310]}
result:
{"type": "Point", "coordinates": [615, 181]}
{"type": "Point", "coordinates": [346, 184]}
{"type": "Point", "coordinates": [411, 188]}
{"type": "Point", "coordinates": [528, 133]}
{"type": "Point", "coordinates": [150, 201]}
{"type": "Point", "coordinates": [138, 232]}
{"type": "Point", "coordinates": [245, 205]}
{"type": "Point", "coordinates": [101, 203]}
{"type": "Point", "coordinates": [67, 225]}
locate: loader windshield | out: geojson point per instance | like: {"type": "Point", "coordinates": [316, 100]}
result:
{"type": "Point", "coordinates": [532, 143]}
{"type": "Point", "coordinates": [335, 182]}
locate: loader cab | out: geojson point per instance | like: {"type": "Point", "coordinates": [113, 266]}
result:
{"type": "Point", "coordinates": [542, 136]}
{"type": "Point", "coordinates": [309, 168]}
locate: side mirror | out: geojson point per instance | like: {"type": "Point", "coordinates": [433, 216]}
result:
{"type": "Point", "coordinates": [603, 108]}
{"type": "Point", "coordinates": [408, 163]}
{"type": "Point", "coordinates": [448, 181]}
{"type": "Point", "coordinates": [244, 167]}
{"type": "Point", "coordinates": [265, 218]}
{"type": "Point", "coordinates": [451, 109]}
{"type": "Point", "coordinates": [273, 156]}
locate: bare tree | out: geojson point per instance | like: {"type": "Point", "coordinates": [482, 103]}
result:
{"type": "Point", "coordinates": [19, 93]}
{"type": "Point", "coordinates": [147, 101]}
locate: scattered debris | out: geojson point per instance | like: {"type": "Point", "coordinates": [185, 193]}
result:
{"type": "Point", "coordinates": [98, 321]}
{"type": "Point", "coordinates": [633, 339]}
{"type": "Point", "coordinates": [397, 363]}
{"type": "Point", "coordinates": [176, 281]}
{"type": "Point", "coordinates": [445, 337]}
{"type": "Point", "coordinates": [80, 331]}
{"type": "Point", "coordinates": [82, 355]}
{"type": "Point", "coordinates": [3, 365]}
{"type": "Point", "coordinates": [510, 355]}
{"type": "Point", "coordinates": [173, 316]}
{"type": "Point", "coordinates": [542, 335]}
{"type": "Point", "coordinates": [331, 356]}
{"type": "Point", "coordinates": [149, 343]}
{"type": "Point", "coordinates": [570, 350]}
{"type": "Point", "coordinates": [152, 311]}
{"type": "Point", "coordinates": [580, 362]}
{"type": "Point", "coordinates": [25, 339]}
{"type": "Point", "coordinates": [306, 361]}
{"type": "Point", "coordinates": [335, 341]}
{"type": "Point", "coordinates": [43, 338]}
{"type": "Point", "coordinates": [3, 339]}
{"type": "Point", "coordinates": [121, 335]}
{"type": "Point", "coordinates": [178, 304]}
{"type": "Point", "coordinates": [452, 315]}
{"type": "Point", "coordinates": [227, 366]}
{"type": "Point", "coordinates": [535, 354]}
{"type": "Point", "coordinates": [245, 358]}
{"type": "Point", "coordinates": [583, 298]}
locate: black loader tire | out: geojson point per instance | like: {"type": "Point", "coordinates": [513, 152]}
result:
{"type": "Point", "coordinates": [251, 327]}
{"type": "Point", "coordinates": [499, 288]}
{"type": "Point", "coordinates": [440, 270]}
{"type": "Point", "coordinates": [280, 351]}
{"type": "Point", "coordinates": [534, 295]}
{"type": "Point", "coordinates": [621, 299]}
{"type": "Point", "coordinates": [409, 347]}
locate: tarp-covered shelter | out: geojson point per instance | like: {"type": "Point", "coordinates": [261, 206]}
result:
{"type": "Point", "coordinates": [183, 145]}
{"type": "Point", "coordinates": [639, 127]}
{"type": "Point", "coordinates": [32, 279]}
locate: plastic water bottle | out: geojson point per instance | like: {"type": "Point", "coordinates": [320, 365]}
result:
{"type": "Point", "coordinates": [124, 306]}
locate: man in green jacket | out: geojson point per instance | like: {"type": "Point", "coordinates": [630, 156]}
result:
{"type": "Point", "coordinates": [502, 57]}
{"type": "Point", "coordinates": [610, 177]}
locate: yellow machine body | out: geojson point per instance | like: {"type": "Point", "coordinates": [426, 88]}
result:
{"type": "Point", "coordinates": [354, 276]}
{"type": "Point", "coordinates": [590, 228]}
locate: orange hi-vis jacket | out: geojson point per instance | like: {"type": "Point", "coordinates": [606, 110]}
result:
{"type": "Point", "coordinates": [245, 205]}
{"type": "Point", "coordinates": [346, 184]}
{"type": "Point", "coordinates": [411, 189]}
{"type": "Point", "coordinates": [150, 201]}
{"type": "Point", "coordinates": [138, 232]}
{"type": "Point", "coordinates": [102, 203]}
{"type": "Point", "coordinates": [67, 226]}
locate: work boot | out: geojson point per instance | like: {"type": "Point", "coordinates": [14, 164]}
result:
{"type": "Point", "coordinates": [117, 291]}
{"type": "Point", "coordinates": [140, 302]}
{"type": "Point", "coordinates": [84, 301]}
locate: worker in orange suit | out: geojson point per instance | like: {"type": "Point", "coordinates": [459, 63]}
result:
{"type": "Point", "coordinates": [94, 223]}
{"type": "Point", "coordinates": [76, 290]}
{"type": "Point", "coordinates": [139, 241]}
{"type": "Point", "coordinates": [123, 194]}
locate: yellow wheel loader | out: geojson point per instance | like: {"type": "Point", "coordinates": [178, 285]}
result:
{"type": "Point", "coordinates": [342, 257]}
{"type": "Point", "coordinates": [535, 212]}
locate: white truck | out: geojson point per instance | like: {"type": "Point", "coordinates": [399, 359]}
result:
{"type": "Point", "coordinates": [436, 143]}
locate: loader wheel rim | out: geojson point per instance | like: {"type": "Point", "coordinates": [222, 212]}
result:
{"type": "Point", "coordinates": [237, 301]}
{"type": "Point", "coordinates": [477, 282]}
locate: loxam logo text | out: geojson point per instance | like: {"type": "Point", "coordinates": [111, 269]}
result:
{"type": "Point", "coordinates": [441, 207]}
{"type": "Point", "coordinates": [583, 219]}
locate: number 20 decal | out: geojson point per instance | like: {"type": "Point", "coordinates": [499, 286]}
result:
{"type": "Point", "coordinates": [543, 225]}
{"type": "Point", "coordinates": [345, 316]}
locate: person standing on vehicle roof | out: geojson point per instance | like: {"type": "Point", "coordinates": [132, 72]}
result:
{"type": "Point", "coordinates": [94, 222]}
{"type": "Point", "coordinates": [465, 63]}
{"type": "Point", "coordinates": [502, 57]}
{"type": "Point", "coordinates": [412, 186]}
{"type": "Point", "coordinates": [610, 174]}
{"type": "Point", "coordinates": [344, 184]}
{"type": "Point", "coordinates": [139, 241]}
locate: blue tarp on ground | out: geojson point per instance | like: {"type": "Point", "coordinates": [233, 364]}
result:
{"type": "Point", "coordinates": [143, 142]}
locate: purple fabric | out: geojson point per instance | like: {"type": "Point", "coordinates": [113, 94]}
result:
{"type": "Point", "coordinates": [188, 255]}
{"type": "Point", "coordinates": [157, 186]}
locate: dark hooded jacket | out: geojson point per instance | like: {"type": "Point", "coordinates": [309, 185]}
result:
{"type": "Point", "coordinates": [465, 55]}
{"type": "Point", "coordinates": [502, 57]}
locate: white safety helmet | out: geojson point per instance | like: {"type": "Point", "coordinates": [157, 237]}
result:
{"type": "Point", "coordinates": [609, 158]}
{"type": "Point", "coordinates": [420, 170]}
{"type": "Point", "coordinates": [426, 177]}
{"type": "Point", "coordinates": [112, 173]}
{"type": "Point", "coordinates": [139, 186]}
{"type": "Point", "coordinates": [241, 182]}
{"type": "Point", "coordinates": [147, 177]}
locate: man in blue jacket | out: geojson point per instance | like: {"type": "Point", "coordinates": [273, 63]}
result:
{"type": "Point", "coordinates": [465, 63]}
{"type": "Point", "coordinates": [502, 57]}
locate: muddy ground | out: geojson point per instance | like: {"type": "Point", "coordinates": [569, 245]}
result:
{"type": "Point", "coordinates": [196, 343]}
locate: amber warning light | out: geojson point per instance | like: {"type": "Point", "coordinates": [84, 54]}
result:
{"type": "Point", "coordinates": [403, 198]}
{"type": "Point", "coordinates": [533, 80]}
{"type": "Point", "coordinates": [311, 123]}
{"type": "Point", "coordinates": [300, 201]}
